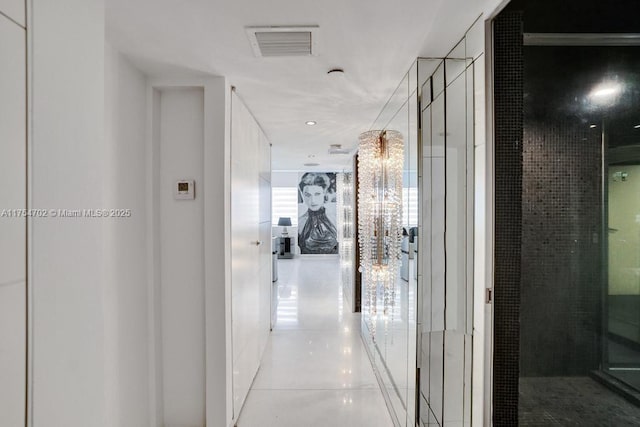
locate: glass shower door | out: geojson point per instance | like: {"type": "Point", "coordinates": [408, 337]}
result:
{"type": "Point", "coordinates": [622, 302]}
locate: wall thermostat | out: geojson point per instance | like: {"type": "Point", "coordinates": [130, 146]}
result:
{"type": "Point", "coordinates": [185, 190]}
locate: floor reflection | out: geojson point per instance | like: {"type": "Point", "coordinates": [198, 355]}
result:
{"type": "Point", "coordinates": [395, 344]}
{"type": "Point", "coordinates": [315, 370]}
{"type": "Point", "coordinates": [287, 312]}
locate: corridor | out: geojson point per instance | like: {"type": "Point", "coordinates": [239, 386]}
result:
{"type": "Point", "coordinates": [315, 370]}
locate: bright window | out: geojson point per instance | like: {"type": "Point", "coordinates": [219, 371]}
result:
{"type": "Point", "coordinates": [284, 203]}
{"type": "Point", "coordinates": [410, 206]}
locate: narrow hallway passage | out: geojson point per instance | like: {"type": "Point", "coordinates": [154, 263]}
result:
{"type": "Point", "coordinates": [315, 370]}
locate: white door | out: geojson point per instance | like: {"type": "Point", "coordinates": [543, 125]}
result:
{"type": "Point", "coordinates": [250, 248]}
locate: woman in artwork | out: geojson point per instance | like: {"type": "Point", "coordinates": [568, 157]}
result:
{"type": "Point", "coordinates": [317, 233]}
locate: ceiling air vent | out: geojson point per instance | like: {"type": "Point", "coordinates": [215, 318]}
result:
{"type": "Point", "coordinates": [283, 41]}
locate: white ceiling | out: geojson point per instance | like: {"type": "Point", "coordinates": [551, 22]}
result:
{"type": "Point", "coordinates": [374, 41]}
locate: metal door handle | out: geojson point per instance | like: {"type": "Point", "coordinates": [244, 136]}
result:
{"type": "Point", "coordinates": [258, 242]}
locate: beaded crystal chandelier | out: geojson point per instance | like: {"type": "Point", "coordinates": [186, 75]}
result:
{"type": "Point", "coordinates": [380, 163]}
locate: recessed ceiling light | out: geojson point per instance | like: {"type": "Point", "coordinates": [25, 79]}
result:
{"type": "Point", "coordinates": [312, 164]}
{"type": "Point", "coordinates": [636, 127]}
{"type": "Point", "coordinates": [592, 125]}
{"type": "Point", "coordinates": [311, 123]}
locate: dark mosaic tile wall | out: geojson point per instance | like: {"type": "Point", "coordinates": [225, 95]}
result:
{"type": "Point", "coordinates": [508, 89]}
{"type": "Point", "coordinates": [561, 289]}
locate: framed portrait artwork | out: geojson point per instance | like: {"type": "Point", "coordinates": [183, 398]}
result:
{"type": "Point", "coordinates": [317, 232]}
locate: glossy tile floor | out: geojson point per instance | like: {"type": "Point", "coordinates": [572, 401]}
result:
{"type": "Point", "coordinates": [315, 370]}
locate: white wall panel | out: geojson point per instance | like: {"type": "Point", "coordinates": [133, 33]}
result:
{"type": "Point", "coordinates": [436, 377]}
{"type": "Point", "coordinates": [217, 232]}
{"type": "Point", "coordinates": [245, 205]}
{"type": "Point", "coordinates": [14, 9]}
{"type": "Point", "coordinates": [475, 43]}
{"type": "Point", "coordinates": [188, 137]}
{"type": "Point", "coordinates": [126, 298]}
{"type": "Point", "coordinates": [265, 200]}
{"type": "Point", "coordinates": [426, 198]}
{"type": "Point", "coordinates": [438, 260]}
{"type": "Point", "coordinates": [66, 254]}
{"type": "Point", "coordinates": [482, 252]}
{"type": "Point", "coordinates": [438, 84]}
{"type": "Point", "coordinates": [456, 208]}
{"type": "Point", "coordinates": [13, 345]}
{"type": "Point", "coordinates": [182, 258]}
{"type": "Point", "coordinates": [265, 157]}
{"type": "Point", "coordinates": [13, 151]}
{"type": "Point", "coordinates": [13, 146]}
{"type": "Point", "coordinates": [453, 384]}
{"type": "Point", "coordinates": [448, 212]}
{"type": "Point", "coordinates": [264, 276]}
{"type": "Point", "coordinates": [455, 63]}
{"type": "Point", "coordinates": [251, 247]}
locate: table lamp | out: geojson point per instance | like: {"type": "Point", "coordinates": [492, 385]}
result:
{"type": "Point", "coordinates": [284, 222]}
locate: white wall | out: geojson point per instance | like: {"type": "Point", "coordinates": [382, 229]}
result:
{"type": "Point", "coordinates": [67, 171]}
{"type": "Point", "coordinates": [217, 249]}
{"type": "Point", "coordinates": [14, 10]}
{"type": "Point", "coordinates": [162, 348]}
{"type": "Point", "coordinates": [188, 257]}
{"type": "Point", "coordinates": [182, 258]}
{"type": "Point", "coordinates": [126, 294]}
{"type": "Point", "coordinates": [454, 19]}
{"type": "Point", "coordinates": [285, 178]}
{"type": "Point", "coordinates": [13, 195]}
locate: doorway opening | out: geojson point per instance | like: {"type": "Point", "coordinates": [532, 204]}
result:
{"type": "Point", "coordinates": [567, 282]}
